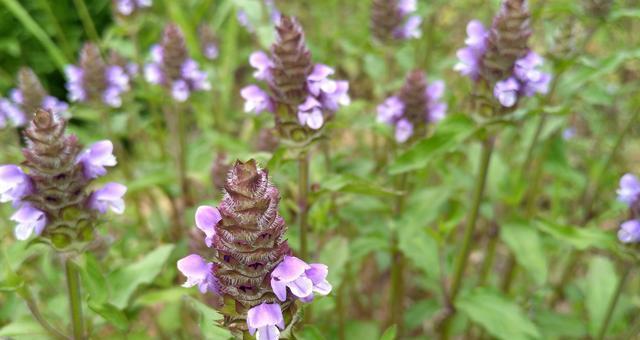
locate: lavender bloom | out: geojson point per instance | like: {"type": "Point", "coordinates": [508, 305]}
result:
{"type": "Point", "coordinates": [310, 113]}
{"type": "Point", "coordinates": [198, 272]}
{"type": "Point", "coordinates": [206, 220]}
{"type": "Point", "coordinates": [129, 7]}
{"type": "Point", "coordinates": [75, 85]}
{"type": "Point", "coordinates": [264, 320]}
{"type": "Point", "coordinates": [629, 190]}
{"type": "Point", "coordinates": [30, 221]}
{"type": "Point", "coordinates": [532, 80]}
{"type": "Point", "coordinates": [568, 133]}
{"type": "Point", "coordinates": [262, 63]}
{"type": "Point", "coordinates": [506, 92]}
{"type": "Point", "coordinates": [9, 111]}
{"type": "Point", "coordinates": [393, 20]}
{"type": "Point", "coordinates": [95, 158]}
{"type": "Point", "coordinates": [302, 279]}
{"type": "Point", "coordinates": [243, 20]}
{"type": "Point", "coordinates": [256, 100]}
{"type": "Point", "coordinates": [410, 30]}
{"type": "Point", "coordinates": [14, 184]}
{"type": "Point", "coordinates": [470, 57]}
{"type": "Point", "coordinates": [172, 68]}
{"type": "Point", "coordinates": [109, 197]}
{"type": "Point", "coordinates": [629, 232]}
{"type": "Point", "coordinates": [404, 130]}
{"type": "Point", "coordinates": [208, 42]}
{"type": "Point", "coordinates": [391, 109]}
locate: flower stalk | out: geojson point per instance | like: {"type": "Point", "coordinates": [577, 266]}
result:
{"type": "Point", "coordinates": [303, 202]}
{"type": "Point", "coordinates": [75, 298]}
{"type": "Point", "coordinates": [614, 301]}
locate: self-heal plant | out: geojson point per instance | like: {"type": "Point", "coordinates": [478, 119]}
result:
{"type": "Point", "coordinates": [94, 81]}
{"type": "Point", "coordinates": [393, 20]}
{"type": "Point", "coordinates": [415, 106]}
{"type": "Point", "coordinates": [302, 94]}
{"type": "Point", "coordinates": [172, 67]}
{"type": "Point", "coordinates": [500, 58]}
{"type": "Point", "coordinates": [250, 263]}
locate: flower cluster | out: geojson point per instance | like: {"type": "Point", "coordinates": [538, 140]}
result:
{"type": "Point", "coordinates": [26, 98]}
{"type": "Point", "coordinates": [251, 263]}
{"type": "Point", "coordinates": [416, 105]}
{"type": "Point", "coordinates": [172, 68]}
{"type": "Point", "coordinates": [305, 88]}
{"type": "Point", "coordinates": [208, 42]}
{"type": "Point", "coordinates": [629, 193]}
{"type": "Point", "coordinates": [500, 55]}
{"type": "Point", "coordinates": [95, 81]}
{"type": "Point", "coordinates": [394, 20]}
{"type": "Point", "coordinates": [50, 192]}
{"type": "Point", "coordinates": [129, 7]}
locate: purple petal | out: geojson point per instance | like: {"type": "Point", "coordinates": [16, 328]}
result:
{"type": "Point", "coordinates": [256, 100]}
{"type": "Point", "coordinates": [390, 109]}
{"type": "Point", "coordinates": [506, 92]}
{"type": "Point", "coordinates": [435, 90]}
{"type": "Point", "coordinates": [157, 54]}
{"type": "Point", "coordinates": [14, 183]}
{"type": "Point", "coordinates": [476, 35]}
{"type": "Point", "coordinates": [279, 288]}
{"type": "Point", "coordinates": [16, 96]}
{"type": "Point", "coordinates": [153, 73]}
{"type": "Point", "coordinates": [404, 130]}
{"type": "Point", "coordinates": [411, 29]}
{"type": "Point", "coordinates": [125, 7]}
{"type": "Point", "coordinates": [108, 197]}
{"type": "Point", "coordinates": [320, 72]}
{"type": "Point", "coordinates": [263, 315]}
{"type": "Point", "coordinates": [629, 231]}
{"type": "Point", "coordinates": [198, 272]}
{"type": "Point", "coordinates": [317, 272]}
{"type": "Point", "coordinates": [629, 189]}
{"type": "Point", "coordinates": [95, 158]}
{"type": "Point", "coordinates": [262, 63]}
{"type": "Point", "coordinates": [407, 6]}
{"type": "Point", "coordinates": [111, 96]}
{"type": "Point", "coordinates": [315, 119]}
{"type": "Point", "coordinates": [206, 220]}
{"type": "Point", "coordinates": [117, 77]}
{"type": "Point", "coordinates": [30, 221]}
{"type": "Point", "coordinates": [289, 269]}
{"type": "Point", "coordinates": [180, 90]}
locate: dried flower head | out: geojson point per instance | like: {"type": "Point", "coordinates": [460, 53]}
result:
{"type": "Point", "coordinates": [250, 264]}
{"type": "Point", "coordinates": [52, 198]}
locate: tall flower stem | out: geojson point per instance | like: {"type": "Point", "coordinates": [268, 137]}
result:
{"type": "Point", "coordinates": [27, 296]}
{"type": "Point", "coordinates": [87, 22]}
{"type": "Point", "coordinates": [461, 264]}
{"type": "Point", "coordinates": [182, 158]}
{"type": "Point", "coordinates": [398, 263]}
{"type": "Point", "coordinates": [303, 201]}
{"type": "Point", "coordinates": [614, 302]}
{"type": "Point", "coordinates": [75, 298]}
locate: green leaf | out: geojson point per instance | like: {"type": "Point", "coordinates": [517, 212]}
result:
{"type": "Point", "coordinates": [208, 321]}
{"type": "Point", "coordinates": [310, 332]}
{"type": "Point", "coordinates": [161, 296]}
{"type": "Point", "coordinates": [555, 325]}
{"type": "Point", "coordinates": [632, 13]}
{"type": "Point", "coordinates": [124, 281]}
{"type": "Point", "coordinates": [110, 313]}
{"type": "Point", "coordinates": [500, 316]}
{"type": "Point", "coordinates": [335, 254]}
{"type": "Point", "coordinates": [580, 238]}
{"type": "Point", "coordinates": [355, 185]}
{"type": "Point", "coordinates": [524, 242]}
{"type": "Point", "coordinates": [93, 280]}
{"type": "Point", "coordinates": [600, 286]}
{"type": "Point", "coordinates": [448, 135]}
{"type": "Point", "coordinates": [390, 333]}
{"type": "Point", "coordinates": [26, 328]}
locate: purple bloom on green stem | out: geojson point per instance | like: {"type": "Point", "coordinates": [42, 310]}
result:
{"type": "Point", "coordinates": [391, 109]}
{"type": "Point", "coordinates": [12, 113]}
{"type": "Point", "coordinates": [470, 57]}
{"type": "Point", "coordinates": [404, 130]}
{"type": "Point", "coordinates": [533, 80]}
{"type": "Point", "coordinates": [410, 29]}
{"type": "Point", "coordinates": [108, 197]}
{"type": "Point", "coordinates": [197, 78]}
{"type": "Point", "coordinates": [153, 74]}
{"type": "Point", "coordinates": [262, 63]}
{"type": "Point", "coordinates": [199, 273]}
{"type": "Point", "coordinates": [339, 97]}
{"type": "Point", "coordinates": [30, 221]}
{"type": "Point", "coordinates": [96, 158]}
{"type": "Point", "coordinates": [14, 183]}
{"type": "Point", "coordinates": [629, 190]}
{"type": "Point", "coordinates": [180, 90]}
{"type": "Point", "coordinates": [54, 104]}
{"type": "Point", "coordinates": [506, 91]}
{"type": "Point", "coordinates": [127, 7]}
{"type": "Point", "coordinates": [75, 85]}
{"type": "Point", "coordinates": [211, 51]}
{"type": "Point", "coordinates": [629, 232]}
{"type": "Point", "coordinates": [265, 319]}
{"type": "Point", "coordinates": [407, 6]}
{"type": "Point", "coordinates": [310, 113]}
{"type": "Point", "coordinates": [256, 100]}
{"type": "Point", "coordinates": [206, 220]}
{"type": "Point", "coordinates": [301, 278]}
{"type": "Point", "coordinates": [319, 80]}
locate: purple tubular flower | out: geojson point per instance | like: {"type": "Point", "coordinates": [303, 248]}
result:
{"type": "Point", "coordinates": [629, 232]}
{"type": "Point", "coordinates": [301, 278]}
{"type": "Point", "coordinates": [12, 113]}
{"type": "Point", "coordinates": [206, 220]}
{"type": "Point", "coordinates": [310, 113]}
{"type": "Point", "coordinates": [109, 197]}
{"type": "Point", "coordinates": [470, 57]}
{"type": "Point", "coordinates": [54, 104]}
{"type": "Point", "coordinates": [319, 80]}
{"type": "Point", "coordinates": [391, 109]}
{"type": "Point", "coordinates": [153, 74]}
{"type": "Point", "coordinates": [407, 6]}
{"type": "Point", "coordinates": [506, 92]}
{"type": "Point", "coordinates": [30, 221]}
{"type": "Point", "coordinates": [14, 184]}
{"type": "Point", "coordinates": [211, 51]}
{"type": "Point", "coordinates": [264, 320]}
{"type": "Point", "coordinates": [198, 272]}
{"type": "Point", "coordinates": [96, 157]}
{"type": "Point", "coordinates": [629, 190]}
{"type": "Point", "coordinates": [75, 85]}
{"type": "Point", "coordinates": [180, 90]}
{"type": "Point", "coordinates": [262, 63]}
{"type": "Point", "coordinates": [256, 100]}
{"type": "Point", "coordinates": [243, 20]}
{"type": "Point", "coordinates": [533, 80]}
{"type": "Point", "coordinates": [410, 29]}
{"type": "Point", "coordinates": [404, 130]}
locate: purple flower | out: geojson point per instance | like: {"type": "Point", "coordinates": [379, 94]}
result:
{"type": "Point", "coordinates": [206, 220]}
{"type": "Point", "coordinates": [339, 97]}
{"type": "Point", "coordinates": [533, 80]}
{"type": "Point", "coordinates": [470, 57]}
{"type": "Point", "coordinates": [30, 221]}
{"type": "Point", "coordinates": [95, 158]}
{"type": "Point", "coordinates": [404, 130]}
{"type": "Point", "coordinates": [319, 80]}
{"type": "Point", "coordinates": [157, 53]}
{"type": "Point", "coordinates": [265, 318]}
{"type": "Point", "coordinates": [198, 272]}
{"type": "Point", "coordinates": [75, 76]}
{"type": "Point", "coordinates": [127, 7]}
{"type": "Point", "coordinates": [629, 189]}
{"type": "Point", "coordinates": [310, 113]}
{"type": "Point", "coordinates": [301, 279]}
{"type": "Point", "coordinates": [109, 197]}
{"type": "Point", "coordinates": [506, 91]}
{"type": "Point", "coordinates": [568, 133]}
{"type": "Point", "coordinates": [191, 72]}
{"type": "Point", "coordinates": [14, 183]}
{"type": "Point", "coordinates": [12, 113]}
{"type": "Point", "coordinates": [54, 104]}
{"type": "Point", "coordinates": [153, 73]}
{"type": "Point", "coordinates": [211, 51]}
{"type": "Point", "coordinates": [407, 6]}
{"type": "Point", "coordinates": [391, 109]}
{"type": "Point", "coordinates": [256, 100]}
{"type": "Point", "coordinates": [262, 63]}
{"type": "Point", "coordinates": [629, 232]}
{"type": "Point", "coordinates": [243, 20]}
{"type": "Point", "coordinates": [180, 90]}
{"type": "Point", "coordinates": [411, 29]}
{"type": "Point", "coordinates": [16, 96]}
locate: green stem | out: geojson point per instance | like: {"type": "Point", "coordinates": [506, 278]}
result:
{"type": "Point", "coordinates": [182, 157]}
{"type": "Point", "coordinates": [75, 298]}
{"type": "Point", "coordinates": [87, 22]}
{"type": "Point", "coordinates": [461, 265]}
{"type": "Point", "coordinates": [66, 48]}
{"type": "Point", "coordinates": [489, 256]}
{"type": "Point", "coordinates": [27, 296]}
{"type": "Point", "coordinates": [398, 263]}
{"type": "Point", "coordinates": [614, 301]}
{"type": "Point", "coordinates": [303, 201]}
